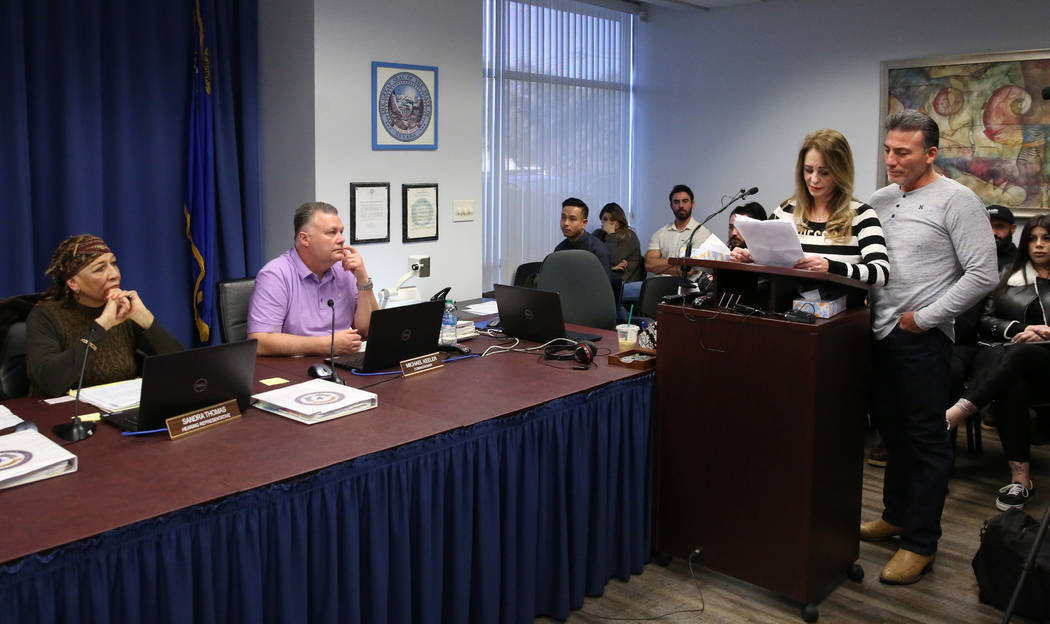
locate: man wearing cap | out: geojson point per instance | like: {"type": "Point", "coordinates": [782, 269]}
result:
{"type": "Point", "coordinates": [1003, 227]}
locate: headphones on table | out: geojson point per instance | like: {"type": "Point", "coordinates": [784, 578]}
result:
{"type": "Point", "coordinates": [582, 352]}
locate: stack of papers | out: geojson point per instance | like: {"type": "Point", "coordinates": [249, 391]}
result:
{"type": "Point", "coordinates": [465, 330]}
{"type": "Point", "coordinates": [27, 456]}
{"type": "Point", "coordinates": [113, 397]}
{"type": "Point", "coordinates": [315, 401]}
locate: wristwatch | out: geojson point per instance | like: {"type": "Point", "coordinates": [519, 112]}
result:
{"type": "Point", "coordinates": [367, 286]}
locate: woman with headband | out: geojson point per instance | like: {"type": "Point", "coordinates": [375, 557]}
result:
{"type": "Point", "coordinates": [86, 308]}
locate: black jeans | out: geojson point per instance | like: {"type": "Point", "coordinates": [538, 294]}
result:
{"type": "Point", "coordinates": [911, 390]}
{"type": "Point", "coordinates": [1020, 377]}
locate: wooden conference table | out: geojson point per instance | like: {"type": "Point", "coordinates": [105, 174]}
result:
{"type": "Point", "coordinates": [124, 480]}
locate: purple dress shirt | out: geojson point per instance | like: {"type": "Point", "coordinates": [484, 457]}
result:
{"type": "Point", "coordinates": [289, 299]}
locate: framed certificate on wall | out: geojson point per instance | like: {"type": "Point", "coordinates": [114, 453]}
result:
{"type": "Point", "coordinates": [419, 212]}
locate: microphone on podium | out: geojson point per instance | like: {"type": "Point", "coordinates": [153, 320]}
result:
{"type": "Point", "coordinates": [78, 429]}
{"type": "Point", "coordinates": [689, 245]}
{"type": "Point", "coordinates": [742, 194]}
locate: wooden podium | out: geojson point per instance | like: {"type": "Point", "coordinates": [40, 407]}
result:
{"type": "Point", "coordinates": [759, 437]}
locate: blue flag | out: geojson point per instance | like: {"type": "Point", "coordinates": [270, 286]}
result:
{"type": "Point", "coordinates": [199, 208]}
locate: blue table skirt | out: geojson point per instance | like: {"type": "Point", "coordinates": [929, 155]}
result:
{"type": "Point", "coordinates": [499, 522]}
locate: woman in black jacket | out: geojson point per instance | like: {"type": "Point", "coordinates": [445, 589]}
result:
{"type": "Point", "coordinates": [1016, 316]}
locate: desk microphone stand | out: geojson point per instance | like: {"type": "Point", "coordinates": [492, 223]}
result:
{"type": "Point", "coordinates": [78, 429]}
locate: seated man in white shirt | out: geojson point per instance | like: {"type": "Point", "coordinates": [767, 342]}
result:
{"type": "Point", "coordinates": [668, 241]}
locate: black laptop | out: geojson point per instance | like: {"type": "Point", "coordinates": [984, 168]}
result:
{"type": "Point", "coordinates": [176, 383]}
{"type": "Point", "coordinates": [396, 334]}
{"type": "Point", "coordinates": [534, 315]}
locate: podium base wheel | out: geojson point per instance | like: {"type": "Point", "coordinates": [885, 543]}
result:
{"type": "Point", "coordinates": [855, 573]}
{"type": "Point", "coordinates": [810, 612]}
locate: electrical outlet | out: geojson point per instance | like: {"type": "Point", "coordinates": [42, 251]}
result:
{"type": "Point", "coordinates": [463, 210]}
{"type": "Point", "coordinates": [423, 263]}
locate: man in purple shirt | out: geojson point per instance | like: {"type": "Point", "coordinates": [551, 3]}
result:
{"type": "Point", "coordinates": [290, 311]}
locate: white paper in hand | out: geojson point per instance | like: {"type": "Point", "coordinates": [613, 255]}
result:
{"type": "Point", "coordinates": [772, 243]}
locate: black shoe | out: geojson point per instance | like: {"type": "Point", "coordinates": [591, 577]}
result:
{"type": "Point", "coordinates": [1014, 496]}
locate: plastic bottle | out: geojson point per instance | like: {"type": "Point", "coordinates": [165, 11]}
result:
{"type": "Point", "coordinates": [449, 319]}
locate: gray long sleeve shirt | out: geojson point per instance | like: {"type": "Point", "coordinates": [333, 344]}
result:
{"type": "Point", "coordinates": [942, 255]}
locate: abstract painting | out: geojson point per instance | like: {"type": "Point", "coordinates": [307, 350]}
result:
{"type": "Point", "coordinates": [993, 120]}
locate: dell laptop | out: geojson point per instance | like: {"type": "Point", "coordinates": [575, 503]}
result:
{"type": "Point", "coordinates": [184, 381]}
{"type": "Point", "coordinates": [396, 334]}
{"type": "Point", "coordinates": [534, 315]}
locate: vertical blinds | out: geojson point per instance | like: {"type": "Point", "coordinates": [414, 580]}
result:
{"type": "Point", "coordinates": [558, 79]}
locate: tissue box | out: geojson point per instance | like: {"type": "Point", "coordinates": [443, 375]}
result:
{"type": "Point", "coordinates": [822, 308]}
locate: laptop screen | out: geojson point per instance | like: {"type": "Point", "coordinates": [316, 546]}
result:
{"type": "Point", "coordinates": [529, 314]}
{"type": "Point", "coordinates": [176, 383]}
{"type": "Point", "coordinates": [396, 334]}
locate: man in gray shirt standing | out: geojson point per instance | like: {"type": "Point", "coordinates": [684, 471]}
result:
{"type": "Point", "coordinates": [942, 251]}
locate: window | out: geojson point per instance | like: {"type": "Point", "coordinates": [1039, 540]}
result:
{"type": "Point", "coordinates": [558, 123]}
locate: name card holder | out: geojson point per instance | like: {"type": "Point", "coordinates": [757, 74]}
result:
{"type": "Point", "coordinates": [203, 419]}
{"type": "Point", "coordinates": [422, 364]}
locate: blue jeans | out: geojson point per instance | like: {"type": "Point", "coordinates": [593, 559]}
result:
{"type": "Point", "coordinates": [911, 385]}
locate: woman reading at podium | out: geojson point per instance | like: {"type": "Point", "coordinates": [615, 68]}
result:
{"type": "Point", "coordinates": [839, 234]}
{"type": "Point", "coordinates": [86, 309]}
{"type": "Point", "coordinates": [1017, 313]}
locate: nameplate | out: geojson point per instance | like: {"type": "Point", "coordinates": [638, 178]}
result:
{"type": "Point", "coordinates": [421, 364]}
{"type": "Point", "coordinates": [203, 419]}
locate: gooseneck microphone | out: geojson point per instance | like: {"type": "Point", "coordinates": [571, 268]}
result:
{"type": "Point", "coordinates": [335, 376]}
{"type": "Point", "coordinates": [689, 245]}
{"type": "Point", "coordinates": [78, 429]}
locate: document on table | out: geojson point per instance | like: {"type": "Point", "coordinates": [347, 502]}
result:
{"type": "Point", "coordinates": [27, 456]}
{"type": "Point", "coordinates": [315, 401]}
{"type": "Point", "coordinates": [483, 308]}
{"type": "Point", "coordinates": [773, 242]}
{"type": "Point", "coordinates": [7, 418]}
{"type": "Point", "coordinates": [113, 397]}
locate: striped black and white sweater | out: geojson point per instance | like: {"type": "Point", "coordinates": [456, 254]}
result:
{"type": "Point", "coordinates": [863, 257]}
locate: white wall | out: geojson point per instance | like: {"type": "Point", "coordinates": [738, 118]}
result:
{"type": "Point", "coordinates": [725, 97]}
{"type": "Point", "coordinates": [348, 36]}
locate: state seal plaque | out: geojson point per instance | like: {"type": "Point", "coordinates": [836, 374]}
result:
{"type": "Point", "coordinates": [404, 106]}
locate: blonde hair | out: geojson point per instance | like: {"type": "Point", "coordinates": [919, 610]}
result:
{"type": "Point", "coordinates": [838, 159]}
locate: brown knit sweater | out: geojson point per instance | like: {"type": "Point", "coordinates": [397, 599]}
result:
{"type": "Point", "coordinates": [55, 353]}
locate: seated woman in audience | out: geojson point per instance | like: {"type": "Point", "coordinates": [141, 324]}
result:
{"type": "Point", "coordinates": [87, 309]}
{"type": "Point", "coordinates": [838, 233]}
{"type": "Point", "coordinates": [625, 253]}
{"type": "Point", "coordinates": [1014, 314]}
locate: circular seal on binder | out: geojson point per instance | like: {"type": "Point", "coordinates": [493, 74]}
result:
{"type": "Point", "coordinates": [325, 397]}
{"type": "Point", "coordinates": [10, 459]}
{"type": "Point", "coordinates": [406, 106]}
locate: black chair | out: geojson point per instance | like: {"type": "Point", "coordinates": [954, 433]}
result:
{"type": "Point", "coordinates": [233, 298]}
{"type": "Point", "coordinates": [583, 283]}
{"type": "Point", "coordinates": [14, 381]}
{"type": "Point", "coordinates": [525, 274]}
{"type": "Point", "coordinates": [653, 290]}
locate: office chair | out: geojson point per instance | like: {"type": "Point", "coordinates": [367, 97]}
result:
{"type": "Point", "coordinates": [653, 290]}
{"type": "Point", "coordinates": [14, 381]}
{"type": "Point", "coordinates": [583, 283]}
{"type": "Point", "coordinates": [233, 298]}
{"type": "Point", "coordinates": [525, 274]}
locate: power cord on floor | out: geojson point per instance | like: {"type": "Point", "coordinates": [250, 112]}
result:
{"type": "Point", "coordinates": [693, 555]}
